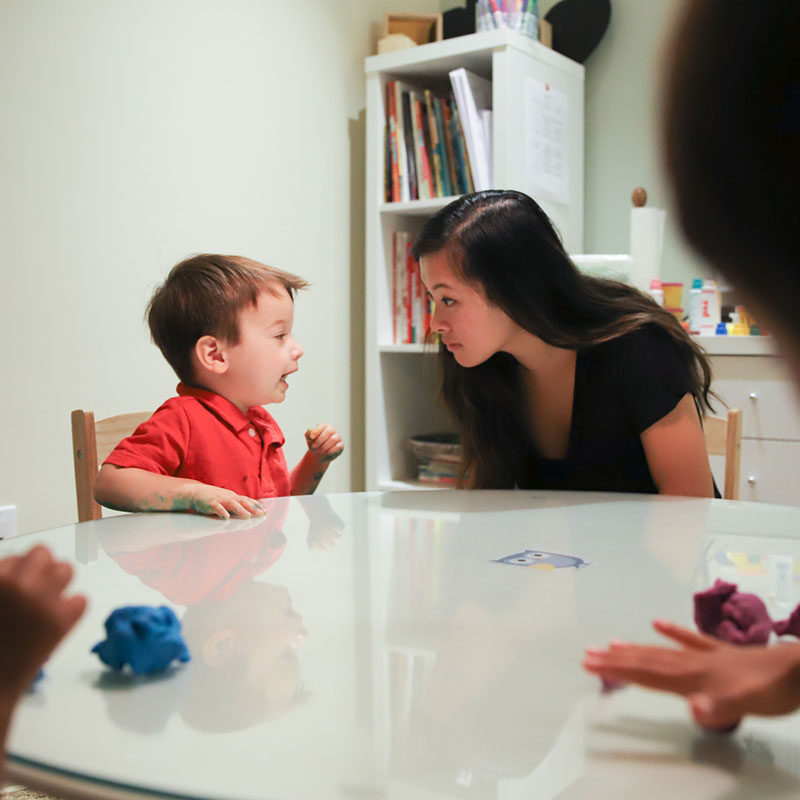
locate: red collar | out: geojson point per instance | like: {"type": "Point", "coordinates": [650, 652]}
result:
{"type": "Point", "coordinates": [233, 417]}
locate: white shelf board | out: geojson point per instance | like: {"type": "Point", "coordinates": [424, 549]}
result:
{"type": "Point", "coordinates": [430, 349]}
{"type": "Point", "coordinates": [473, 51]}
{"type": "Point", "coordinates": [737, 345]}
{"type": "Point", "coordinates": [417, 207]}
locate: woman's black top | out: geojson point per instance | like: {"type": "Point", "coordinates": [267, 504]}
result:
{"type": "Point", "coordinates": [621, 388]}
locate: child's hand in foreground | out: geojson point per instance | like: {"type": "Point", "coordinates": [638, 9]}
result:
{"type": "Point", "coordinates": [35, 615]}
{"type": "Point", "coordinates": [324, 442]}
{"type": "Point", "coordinates": [217, 502]}
{"type": "Point", "coordinates": [722, 682]}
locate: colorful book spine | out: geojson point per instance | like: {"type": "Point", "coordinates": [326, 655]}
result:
{"type": "Point", "coordinates": [426, 136]}
{"type": "Point", "coordinates": [435, 150]}
{"type": "Point", "coordinates": [426, 181]}
{"type": "Point", "coordinates": [391, 113]}
{"type": "Point", "coordinates": [408, 138]}
{"type": "Point", "coordinates": [405, 193]}
{"type": "Point", "coordinates": [447, 189]}
{"type": "Point", "coordinates": [470, 184]}
{"type": "Point", "coordinates": [401, 285]}
{"type": "Point", "coordinates": [448, 145]}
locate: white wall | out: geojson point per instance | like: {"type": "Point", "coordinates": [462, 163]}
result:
{"type": "Point", "coordinates": [135, 133]}
{"type": "Point", "coordinates": [623, 78]}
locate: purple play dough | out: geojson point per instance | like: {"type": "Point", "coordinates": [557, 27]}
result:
{"type": "Point", "coordinates": [732, 616]}
{"type": "Point", "coordinates": [789, 626]}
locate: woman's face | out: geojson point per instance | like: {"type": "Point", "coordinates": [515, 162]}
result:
{"type": "Point", "coordinates": [472, 329]}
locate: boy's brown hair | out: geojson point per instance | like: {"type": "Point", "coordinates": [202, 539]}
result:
{"type": "Point", "coordinates": [203, 296]}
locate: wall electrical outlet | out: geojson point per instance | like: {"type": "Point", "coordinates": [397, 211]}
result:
{"type": "Point", "coordinates": [8, 522]}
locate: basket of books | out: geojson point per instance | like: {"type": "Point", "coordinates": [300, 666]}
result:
{"type": "Point", "coordinates": [438, 456]}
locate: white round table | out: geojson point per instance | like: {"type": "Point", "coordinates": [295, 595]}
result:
{"type": "Point", "coordinates": [371, 646]}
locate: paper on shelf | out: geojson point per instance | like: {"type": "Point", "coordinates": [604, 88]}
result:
{"type": "Point", "coordinates": [546, 147]}
{"type": "Point", "coordinates": [474, 98]}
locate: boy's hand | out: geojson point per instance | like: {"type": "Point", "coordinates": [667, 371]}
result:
{"type": "Point", "coordinates": [216, 502]}
{"type": "Point", "coordinates": [324, 445]}
{"type": "Point", "coordinates": [324, 442]}
{"type": "Point", "coordinates": [35, 615]}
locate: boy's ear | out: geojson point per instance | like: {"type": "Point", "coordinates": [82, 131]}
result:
{"type": "Point", "coordinates": [218, 648]}
{"type": "Point", "coordinates": [211, 354]}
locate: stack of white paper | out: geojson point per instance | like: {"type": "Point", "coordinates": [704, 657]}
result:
{"type": "Point", "coordinates": [474, 100]}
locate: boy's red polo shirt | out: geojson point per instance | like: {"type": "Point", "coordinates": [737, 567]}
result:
{"type": "Point", "coordinates": [202, 436]}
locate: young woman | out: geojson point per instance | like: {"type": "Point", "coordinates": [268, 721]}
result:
{"type": "Point", "coordinates": [557, 379]}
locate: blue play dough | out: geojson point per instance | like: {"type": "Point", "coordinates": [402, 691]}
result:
{"type": "Point", "coordinates": [147, 638]}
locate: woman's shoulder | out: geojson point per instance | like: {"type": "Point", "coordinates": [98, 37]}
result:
{"type": "Point", "coordinates": [648, 340]}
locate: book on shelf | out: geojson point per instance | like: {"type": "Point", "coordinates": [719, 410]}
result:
{"type": "Point", "coordinates": [423, 162]}
{"type": "Point", "coordinates": [473, 96]}
{"type": "Point", "coordinates": [411, 307]}
{"type": "Point", "coordinates": [408, 136]}
{"type": "Point", "coordinates": [426, 151]}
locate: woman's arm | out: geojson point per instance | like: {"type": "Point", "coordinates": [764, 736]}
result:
{"type": "Point", "coordinates": [675, 449]}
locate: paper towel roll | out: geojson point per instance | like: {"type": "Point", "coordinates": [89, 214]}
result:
{"type": "Point", "coordinates": [647, 241]}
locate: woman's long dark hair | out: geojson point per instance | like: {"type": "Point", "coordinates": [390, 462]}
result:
{"type": "Point", "coordinates": [502, 242]}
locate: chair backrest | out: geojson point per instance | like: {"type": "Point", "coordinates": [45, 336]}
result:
{"type": "Point", "coordinates": [724, 438]}
{"type": "Point", "coordinates": [91, 443]}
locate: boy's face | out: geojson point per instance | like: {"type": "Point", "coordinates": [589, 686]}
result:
{"type": "Point", "coordinates": [259, 365]}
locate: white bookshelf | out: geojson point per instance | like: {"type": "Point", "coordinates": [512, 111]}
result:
{"type": "Point", "coordinates": [402, 381]}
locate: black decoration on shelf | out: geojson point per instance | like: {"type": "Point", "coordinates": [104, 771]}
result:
{"type": "Point", "coordinates": [578, 26]}
{"type": "Point", "coordinates": [459, 21]}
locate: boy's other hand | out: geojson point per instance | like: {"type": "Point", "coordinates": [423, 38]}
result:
{"type": "Point", "coordinates": [324, 441]}
{"type": "Point", "coordinates": [35, 615]}
{"type": "Point", "coordinates": [214, 501]}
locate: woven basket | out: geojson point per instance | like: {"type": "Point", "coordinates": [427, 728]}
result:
{"type": "Point", "coordinates": [442, 446]}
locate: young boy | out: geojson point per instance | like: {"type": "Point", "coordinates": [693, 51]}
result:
{"type": "Point", "coordinates": [224, 324]}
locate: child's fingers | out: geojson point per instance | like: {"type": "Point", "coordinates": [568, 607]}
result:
{"type": "Point", "coordinates": [328, 442]}
{"type": "Point", "coordinates": [71, 611]}
{"type": "Point", "coordinates": [253, 506]}
{"type": "Point", "coordinates": [313, 433]}
{"type": "Point", "coordinates": [8, 565]}
{"type": "Point", "coordinates": [685, 636]}
{"type": "Point", "coordinates": [218, 510]}
{"type": "Point", "coordinates": [33, 570]}
{"type": "Point", "coordinates": [233, 505]}
{"type": "Point", "coordinates": [56, 579]}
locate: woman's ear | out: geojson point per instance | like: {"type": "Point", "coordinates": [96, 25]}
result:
{"type": "Point", "coordinates": [211, 354]}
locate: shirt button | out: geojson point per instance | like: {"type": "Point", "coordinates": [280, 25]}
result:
{"type": "Point", "coordinates": [252, 431]}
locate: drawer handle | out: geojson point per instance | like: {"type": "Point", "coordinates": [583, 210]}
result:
{"type": "Point", "coordinates": [751, 479]}
{"type": "Point", "coordinates": [754, 395]}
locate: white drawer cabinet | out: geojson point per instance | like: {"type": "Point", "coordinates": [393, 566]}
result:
{"type": "Point", "coordinates": [770, 471]}
{"type": "Point", "coordinates": [760, 386]}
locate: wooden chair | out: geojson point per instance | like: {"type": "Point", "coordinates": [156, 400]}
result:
{"type": "Point", "coordinates": [91, 443]}
{"type": "Point", "coordinates": [724, 438]}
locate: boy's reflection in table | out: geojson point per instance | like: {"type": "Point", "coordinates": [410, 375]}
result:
{"type": "Point", "coordinates": [244, 634]}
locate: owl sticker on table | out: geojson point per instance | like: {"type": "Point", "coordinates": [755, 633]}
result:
{"type": "Point", "coordinates": [541, 559]}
